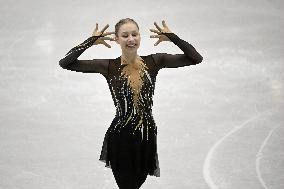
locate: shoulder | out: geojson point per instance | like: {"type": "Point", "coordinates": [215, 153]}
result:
{"type": "Point", "coordinates": [151, 61]}
{"type": "Point", "coordinates": [157, 57]}
{"type": "Point", "coordinates": [113, 64]}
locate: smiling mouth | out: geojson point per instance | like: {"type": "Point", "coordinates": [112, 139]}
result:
{"type": "Point", "coordinates": [131, 46]}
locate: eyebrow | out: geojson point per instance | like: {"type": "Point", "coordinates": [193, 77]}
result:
{"type": "Point", "coordinates": [127, 32]}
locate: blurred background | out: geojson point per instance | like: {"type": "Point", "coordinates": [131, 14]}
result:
{"type": "Point", "coordinates": [220, 123]}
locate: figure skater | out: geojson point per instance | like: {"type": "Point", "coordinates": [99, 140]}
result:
{"type": "Point", "coordinates": [130, 143]}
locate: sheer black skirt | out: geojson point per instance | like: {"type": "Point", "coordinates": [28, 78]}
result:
{"type": "Point", "coordinates": [127, 153]}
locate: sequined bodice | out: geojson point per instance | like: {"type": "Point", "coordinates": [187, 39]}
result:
{"type": "Point", "coordinates": [134, 74]}
{"type": "Point", "coordinates": [132, 88]}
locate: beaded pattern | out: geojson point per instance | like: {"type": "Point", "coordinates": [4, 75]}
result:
{"type": "Point", "coordinates": [132, 89]}
{"type": "Point", "coordinates": [134, 73]}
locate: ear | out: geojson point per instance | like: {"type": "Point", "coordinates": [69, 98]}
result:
{"type": "Point", "coordinates": [116, 40]}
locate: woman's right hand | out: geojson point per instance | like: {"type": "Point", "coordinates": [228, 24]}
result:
{"type": "Point", "coordinates": [101, 33]}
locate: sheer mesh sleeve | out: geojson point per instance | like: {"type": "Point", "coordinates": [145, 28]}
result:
{"type": "Point", "coordinates": [190, 56]}
{"type": "Point", "coordinates": [71, 62]}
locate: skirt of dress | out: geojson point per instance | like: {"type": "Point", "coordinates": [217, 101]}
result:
{"type": "Point", "coordinates": [128, 152]}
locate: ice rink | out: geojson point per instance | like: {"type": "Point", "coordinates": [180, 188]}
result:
{"type": "Point", "coordinates": [220, 123]}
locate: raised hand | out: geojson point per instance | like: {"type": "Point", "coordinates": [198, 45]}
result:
{"type": "Point", "coordinates": [101, 33]}
{"type": "Point", "coordinates": [160, 32]}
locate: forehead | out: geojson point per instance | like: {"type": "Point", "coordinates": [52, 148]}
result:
{"type": "Point", "coordinates": [128, 27]}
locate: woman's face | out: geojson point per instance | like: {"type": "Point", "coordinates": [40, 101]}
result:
{"type": "Point", "coordinates": [128, 37]}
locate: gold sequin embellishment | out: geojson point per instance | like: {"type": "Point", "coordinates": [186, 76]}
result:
{"type": "Point", "coordinates": [134, 73]}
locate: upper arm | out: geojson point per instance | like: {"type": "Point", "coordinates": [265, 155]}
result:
{"type": "Point", "coordinates": [164, 60]}
{"type": "Point", "coordinates": [90, 66]}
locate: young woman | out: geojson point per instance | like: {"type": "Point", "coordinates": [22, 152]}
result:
{"type": "Point", "coordinates": [130, 143]}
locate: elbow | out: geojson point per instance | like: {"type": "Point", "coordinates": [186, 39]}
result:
{"type": "Point", "coordinates": [62, 64]}
{"type": "Point", "coordinates": [198, 59]}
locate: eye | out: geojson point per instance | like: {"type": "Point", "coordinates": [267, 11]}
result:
{"type": "Point", "coordinates": [127, 35]}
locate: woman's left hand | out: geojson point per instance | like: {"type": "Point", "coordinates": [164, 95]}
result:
{"type": "Point", "coordinates": [160, 32]}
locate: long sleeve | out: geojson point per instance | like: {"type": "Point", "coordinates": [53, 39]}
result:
{"type": "Point", "coordinates": [71, 62]}
{"type": "Point", "coordinates": [190, 56]}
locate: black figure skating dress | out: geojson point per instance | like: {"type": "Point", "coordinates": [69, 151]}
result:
{"type": "Point", "coordinates": [130, 142]}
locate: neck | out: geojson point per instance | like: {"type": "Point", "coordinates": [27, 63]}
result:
{"type": "Point", "coordinates": [129, 58]}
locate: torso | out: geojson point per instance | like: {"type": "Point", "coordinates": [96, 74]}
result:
{"type": "Point", "coordinates": [132, 85]}
{"type": "Point", "coordinates": [134, 73]}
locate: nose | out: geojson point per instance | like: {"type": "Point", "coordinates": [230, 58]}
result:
{"type": "Point", "coordinates": [131, 38]}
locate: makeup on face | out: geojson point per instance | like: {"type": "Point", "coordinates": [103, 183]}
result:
{"type": "Point", "coordinates": [132, 43]}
